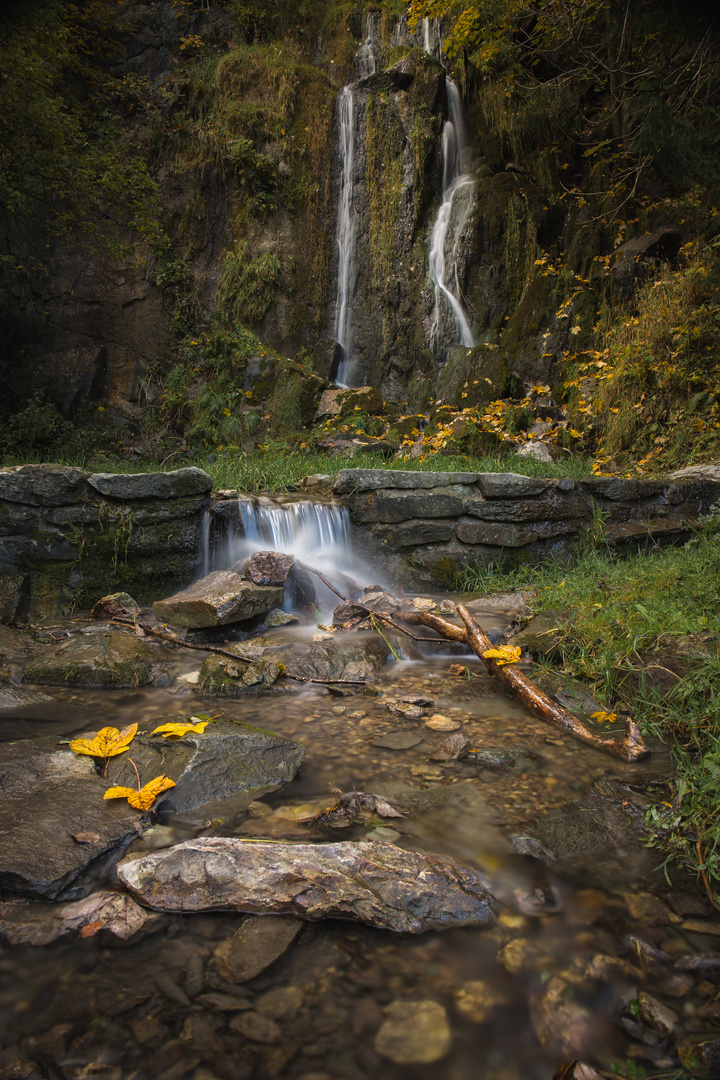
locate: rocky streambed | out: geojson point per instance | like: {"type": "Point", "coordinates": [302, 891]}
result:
{"type": "Point", "coordinates": [327, 891]}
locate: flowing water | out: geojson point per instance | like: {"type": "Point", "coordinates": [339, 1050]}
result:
{"type": "Point", "coordinates": [345, 236]}
{"type": "Point", "coordinates": [543, 984]}
{"type": "Point", "coordinates": [449, 324]}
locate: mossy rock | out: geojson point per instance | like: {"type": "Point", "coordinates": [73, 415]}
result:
{"type": "Point", "coordinates": [108, 660]}
{"type": "Point", "coordinates": [473, 376]}
{"type": "Point", "coordinates": [407, 426]}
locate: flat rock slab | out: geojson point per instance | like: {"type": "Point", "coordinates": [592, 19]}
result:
{"type": "Point", "coordinates": [49, 796]}
{"type": "Point", "coordinates": [153, 485]}
{"type": "Point", "coordinates": [350, 481]}
{"type": "Point", "coordinates": [220, 771]}
{"type": "Point", "coordinates": [256, 945]}
{"type": "Point", "coordinates": [217, 599]}
{"type": "Point", "coordinates": [43, 484]}
{"type": "Point", "coordinates": [116, 914]}
{"type": "Point", "coordinates": [112, 660]}
{"type": "Point", "coordinates": [375, 883]}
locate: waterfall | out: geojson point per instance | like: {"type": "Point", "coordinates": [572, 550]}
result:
{"type": "Point", "coordinates": [367, 54]}
{"type": "Point", "coordinates": [457, 186]}
{"type": "Point", "coordinates": [432, 38]}
{"type": "Point", "coordinates": [345, 236]}
{"type": "Point", "coordinates": [308, 530]}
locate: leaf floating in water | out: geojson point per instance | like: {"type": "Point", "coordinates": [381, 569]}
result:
{"type": "Point", "coordinates": [86, 837]}
{"type": "Point", "coordinates": [145, 797]}
{"type": "Point", "coordinates": [604, 717]}
{"type": "Point", "coordinates": [107, 743]}
{"type": "Point", "coordinates": [178, 730]}
{"type": "Point", "coordinates": [503, 654]}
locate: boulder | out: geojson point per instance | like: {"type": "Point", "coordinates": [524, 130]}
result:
{"type": "Point", "coordinates": [219, 598]}
{"type": "Point", "coordinates": [112, 659]}
{"type": "Point", "coordinates": [152, 485]}
{"type": "Point", "coordinates": [472, 376]}
{"type": "Point", "coordinates": [221, 770]}
{"type": "Point", "coordinates": [115, 604]}
{"type": "Point", "coordinates": [43, 485]}
{"type": "Point", "coordinates": [375, 883]}
{"type": "Point", "coordinates": [535, 449]}
{"type": "Point", "coordinates": [50, 796]}
{"type": "Point", "coordinates": [326, 357]}
{"type": "Point", "coordinates": [268, 567]}
{"type": "Point", "coordinates": [342, 402]}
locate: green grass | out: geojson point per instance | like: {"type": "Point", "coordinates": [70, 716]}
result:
{"type": "Point", "coordinates": [280, 468]}
{"type": "Point", "coordinates": [617, 610]}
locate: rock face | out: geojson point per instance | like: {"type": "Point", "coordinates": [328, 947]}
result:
{"type": "Point", "coordinates": [374, 883]}
{"type": "Point", "coordinates": [112, 660]}
{"type": "Point", "coordinates": [219, 598]}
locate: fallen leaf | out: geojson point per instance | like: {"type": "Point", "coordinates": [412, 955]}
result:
{"type": "Point", "coordinates": [107, 743]}
{"type": "Point", "coordinates": [86, 837]}
{"type": "Point", "coordinates": [178, 730]}
{"type": "Point", "coordinates": [503, 654]}
{"type": "Point", "coordinates": [145, 797]}
{"type": "Point", "coordinates": [90, 929]}
{"type": "Point", "coordinates": [604, 717]}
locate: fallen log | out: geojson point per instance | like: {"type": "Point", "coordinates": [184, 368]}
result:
{"type": "Point", "coordinates": [631, 748]}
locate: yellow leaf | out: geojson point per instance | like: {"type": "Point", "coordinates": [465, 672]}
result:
{"type": "Point", "coordinates": [604, 717]}
{"type": "Point", "coordinates": [145, 797]}
{"type": "Point", "coordinates": [166, 730]}
{"type": "Point", "coordinates": [107, 743]}
{"type": "Point", "coordinates": [503, 654]}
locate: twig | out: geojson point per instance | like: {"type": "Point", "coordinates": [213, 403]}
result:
{"type": "Point", "coordinates": [703, 875]}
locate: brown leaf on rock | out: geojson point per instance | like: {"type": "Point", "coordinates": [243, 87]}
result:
{"type": "Point", "coordinates": [86, 837]}
{"type": "Point", "coordinates": [91, 929]}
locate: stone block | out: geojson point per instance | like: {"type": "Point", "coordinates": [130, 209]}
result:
{"type": "Point", "coordinates": [43, 485]}
{"type": "Point", "coordinates": [507, 534]}
{"type": "Point", "coordinates": [350, 481]}
{"type": "Point", "coordinates": [395, 506]}
{"type": "Point", "coordinates": [155, 485]}
{"type": "Point", "coordinates": [510, 485]}
{"type": "Point", "coordinates": [554, 505]}
{"type": "Point", "coordinates": [620, 488]}
{"type": "Point", "coordinates": [217, 599]}
{"type": "Point", "coordinates": [412, 533]}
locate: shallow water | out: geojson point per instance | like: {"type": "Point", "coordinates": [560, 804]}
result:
{"type": "Point", "coordinates": [521, 996]}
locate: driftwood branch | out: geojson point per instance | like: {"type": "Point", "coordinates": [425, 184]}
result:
{"type": "Point", "coordinates": [631, 748]}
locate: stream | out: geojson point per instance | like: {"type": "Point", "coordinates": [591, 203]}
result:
{"type": "Point", "coordinates": [552, 979]}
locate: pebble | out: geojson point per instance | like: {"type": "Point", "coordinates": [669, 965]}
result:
{"type": "Point", "coordinates": [427, 772]}
{"type": "Point", "coordinates": [656, 1015]}
{"type": "Point", "coordinates": [397, 740]}
{"type": "Point", "coordinates": [281, 1003]}
{"type": "Point", "coordinates": [475, 1000]}
{"type": "Point", "coordinates": [255, 1026]}
{"type": "Point", "coordinates": [646, 908]}
{"type": "Point", "coordinates": [339, 709]}
{"type": "Point", "coordinates": [259, 941]}
{"type": "Point", "coordinates": [414, 1033]}
{"type": "Point", "coordinates": [171, 990]}
{"type": "Point", "coordinates": [442, 723]}
{"type": "Point", "coordinates": [697, 926]}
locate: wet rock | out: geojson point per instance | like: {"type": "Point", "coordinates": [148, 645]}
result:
{"type": "Point", "coordinates": [199, 1035]}
{"type": "Point", "coordinates": [375, 883]}
{"type": "Point", "coordinates": [397, 740]}
{"type": "Point", "coordinates": [406, 709]}
{"type": "Point", "coordinates": [218, 1002]}
{"type": "Point", "coordinates": [281, 1003]}
{"type": "Point", "coordinates": [50, 795]}
{"type": "Point", "coordinates": [558, 1020]}
{"type": "Point", "coordinates": [170, 989]}
{"type": "Point", "coordinates": [701, 1052]}
{"type": "Point", "coordinates": [218, 772]}
{"type": "Point", "coordinates": [490, 757]}
{"type": "Point", "coordinates": [357, 660]}
{"type": "Point", "coordinates": [475, 1000]}
{"type": "Point", "coordinates": [256, 1027]}
{"type": "Point", "coordinates": [414, 1033]}
{"type": "Point", "coordinates": [657, 1016]}
{"type": "Point", "coordinates": [278, 617]}
{"type": "Point", "coordinates": [254, 947]}
{"type": "Point", "coordinates": [451, 749]}
{"type": "Point", "coordinates": [268, 567]}
{"type": "Point", "coordinates": [263, 673]}
{"type": "Point", "coordinates": [16, 697]}
{"type": "Point", "coordinates": [699, 962]}
{"type": "Point", "coordinates": [110, 660]}
{"type": "Point", "coordinates": [648, 909]}
{"type": "Point", "coordinates": [219, 598]}
{"type": "Point", "coordinates": [43, 485]}
{"type": "Point", "coordinates": [114, 605]}
{"type": "Point", "coordinates": [116, 914]}
{"type": "Point", "coordinates": [376, 598]}
{"type": "Point", "coordinates": [442, 723]}
{"type": "Point", "coordinates": [154, 485]}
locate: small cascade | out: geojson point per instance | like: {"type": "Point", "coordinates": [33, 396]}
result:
{"type": "Point", "coordinates": [452, 217]}
{"type": "Point", "coordinates": [400, 33]}
{"type": "Point", "coordinates": [367, 60]}
{"type": "Point", "coordinates": [345, 237]}
{"type": "Point", "coordinates": [432, 38]}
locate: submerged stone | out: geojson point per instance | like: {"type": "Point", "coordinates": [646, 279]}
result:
{"type": "Point", "coordinates": [256, 945]}
{"type": "Point", "coordinates": [219, 598]}
{"type": "Point", "coordinates": [112, 660]}
{"type": "Point", "coordinates": [375, 883]}
{"type": "Point", "coordinates": [116, 914]}
{"type": "Point", "coordinates": [414, 1033]}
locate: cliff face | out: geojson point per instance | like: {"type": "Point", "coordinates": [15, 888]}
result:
{"type": "Point", "coordinates": [233, 260]}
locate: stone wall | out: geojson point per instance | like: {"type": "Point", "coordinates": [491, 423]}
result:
{"type": "Point", "coordinates": [68, 537]}
{"type": "Point", "coordinates": [425, 526]}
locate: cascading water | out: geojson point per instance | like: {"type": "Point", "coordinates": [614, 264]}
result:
{"type": "Point", "coordinates": [345, 236]}
{"type": "Point", "coordinates": [457, 187]}
{"type": "Point", "coordinates": [367, 54]}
